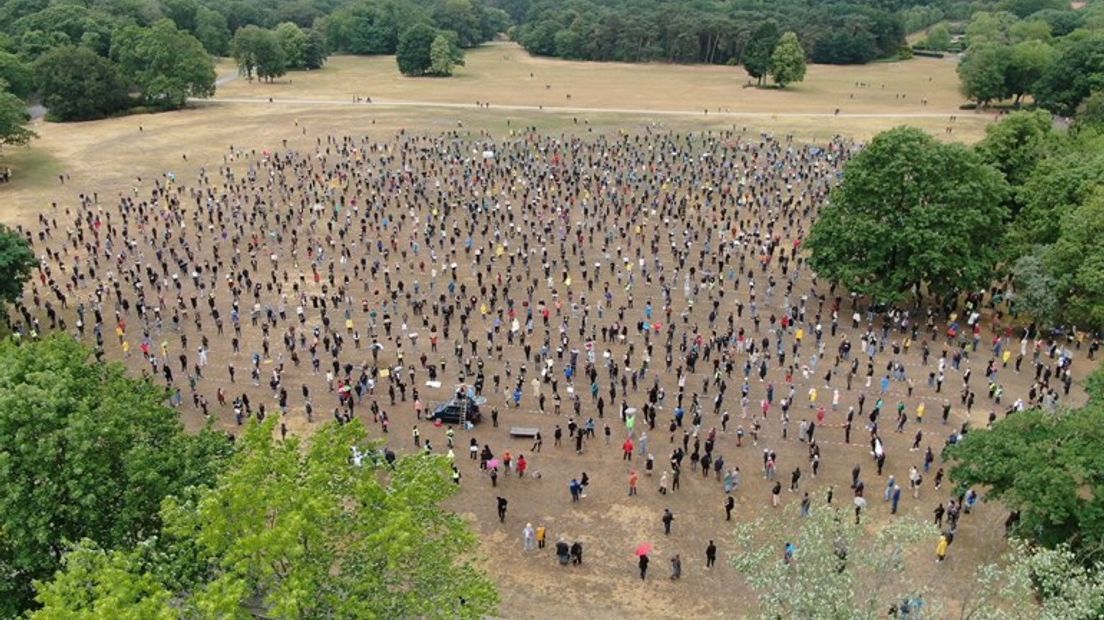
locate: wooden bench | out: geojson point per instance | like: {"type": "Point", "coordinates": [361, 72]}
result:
{"type": "Point", "coordinates": [524, 431]}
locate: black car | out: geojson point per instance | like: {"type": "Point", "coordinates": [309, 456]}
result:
{"type": "Point", "coordinates": [457, 409]}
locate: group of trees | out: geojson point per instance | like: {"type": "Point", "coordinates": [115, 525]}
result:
{"type": "Point", "coordinates": [268, 54]}
{"type": "Point", "coordinates": [708, 31]}
{"type": "Point", "coordinates": [111, 510]}
{"type": "Point", "coordinates": [779, 56]}
{"type": "Point", "coordinates": [914, 216]}
{"type": "Point", "coordinates": [1054, 54]}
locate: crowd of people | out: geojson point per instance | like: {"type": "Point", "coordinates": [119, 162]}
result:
{"type": "Point", "coordinates": [640, 297]}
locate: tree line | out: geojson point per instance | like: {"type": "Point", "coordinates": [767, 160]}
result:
{"type": "Point", "coordinates": [704, 31]}
{"type": "Point", "coordinates": [1018, 216]}
{"type": "Point", "coordinates": [1040, 49]}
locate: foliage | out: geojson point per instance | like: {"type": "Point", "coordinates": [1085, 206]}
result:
{"type": "Point", "coordinates": [939, 38]}
{"type": "Point", "coordinates": [909, 212]}
{"type": "Point", "coordinates": [1016, 144]}
{"type": "Point", "coordinates": [1077, 72]}
{"type": "Point", "coordinates": [85, 452]}
{"type": "Point", "coordinates": [1035, 289]}
{"type": "Point", "coordinates": [413, 54]}
{"type": "Point", "coordinates": [258, 51]}
{"type": "Point", "coordinates": [833, 556]}
{"type": "Point", "coordinates": [444, 54]}
{"type": "Point", "coordinates": [1035, 583]}
{"type": "Point", "coordinates": [788, 61]}
{"type": "Point", "coordinates": [757, 54]}
{"type": "Point", "coordinates": [310, 535]}
{"type": "Point", "coordinates": [710, 31]}
{"type": "Point", "coordinates": [17, 259]}
{"type": "Point", "coordinates": [212, 31]}
{"type": "Point", "coordinates": [1077, 261]}
{"type": "Point", "coordinates": [982, 73]}
{"type": "Point", "coordinates": [166, 64]}
{"type": "Point", "coordinates": [1045, 465]}
{"type": "Point", "coordinates": [295, 43]}
{"type": "Point", "coordinates": [13, 130]}
{"type": "Point", "coordinates": [17, 73]}
{"type": "Point", "coordinates": [76, 84]}
{"type": "Point", "coordinates": [97, 583]}
{"type": "Point", "coordinates": [1063, 179]}
{"type": "Point", "coordinates": [1027, 62]}
{"type": "Point", "coordinates": [1091, 111]}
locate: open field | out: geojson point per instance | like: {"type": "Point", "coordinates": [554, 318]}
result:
{"type": "Point", "coordinates": [126, 156]}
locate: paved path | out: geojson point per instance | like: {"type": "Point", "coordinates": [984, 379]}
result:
{"type": "Point", "coordinates": [407, 103]}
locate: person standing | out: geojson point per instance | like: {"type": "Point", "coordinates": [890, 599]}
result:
{"type": "Point", "coordinates": [896, 498]}
{"type": "Point", "coordinates": [667, 518]}
{"type": "Point", "coordinates": [633, 478]}
{"type": "Point", "coordinates": [710, 554]}
{"type": "Point", "coordinates": [676, 568]}
{"type": "Point", "coordinates": [542, 534]}
{"type": "Point", "coordinates": [776, 493]}
{"type": "Point", "coordinates": [643, 564]}
{"type": "Point", "coordinates": [730, 503]}
{"type": "Point", "coordinates": [529, 537]}
{"type": "Point", "coordinates": [502, 509]}
{"type": "Point", "coordinates": [941, 549]}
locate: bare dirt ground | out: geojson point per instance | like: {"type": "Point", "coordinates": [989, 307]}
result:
{"type": "Point", "coordinates": [125, 157]}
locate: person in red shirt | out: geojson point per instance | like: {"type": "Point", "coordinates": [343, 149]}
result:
{"type": "Point", "coordinates": [522, 464]}
{"type": "Point", "coordinates": [627, 448]}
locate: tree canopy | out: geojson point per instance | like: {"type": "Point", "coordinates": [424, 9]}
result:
{"type": "Point", "coordinates": [299, 531]}
{"type": "Point", "coordinates": [166, 64]}
{"type": "Point", "coordinates": [788, 61]}
{"type": "Point", "coordinates": [17, 260]}
{"type": "Point", "coordinates": [911, 213]}
{"type": "Point", "coordinates": [77, 84]}
{"type": "Point", "coordinates": [85, 452]}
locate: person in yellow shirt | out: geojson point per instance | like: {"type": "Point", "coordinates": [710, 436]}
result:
{"type": "Point", "coordinates": [941, 549]}
{"type": "Point", "coordinates": [920, 412]}
{"type": "Point", "coordinates": [541, 534]}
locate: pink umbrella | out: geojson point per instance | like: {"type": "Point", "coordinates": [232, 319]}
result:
{"type": "Point", "coordinates": [493, 464]}
{"type": "Point", "coordinates": [643, 549]}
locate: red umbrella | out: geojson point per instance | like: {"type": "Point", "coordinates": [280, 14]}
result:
{"type": "Point", "coordinates": [643, 549]}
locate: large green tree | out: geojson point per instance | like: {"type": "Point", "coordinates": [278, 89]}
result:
{"type": "Point", "coordinates": [1027, 61]}
{"type": "Point", "coordinates": [413, 54]}
{"type": "Point", "coordinates": [166, 64]}
{"type": "Point", "coordinates": [85, 452]}
{"type": "Point", "coordinates": [17, 259]}
{"type": "Point", "coordinates": [788, 61]}
{"type": "Point", "coordinates": [295, 44]}
{"type": "Point", "coordinates": [18, 74]}
{"type": "Point", "coordinates": [77, 84]}
{"type": "Point", "coordinates": [258, 52]}
{"type": "Point", "coordinates": [1045, 465]}
{"type": "Point", "coordinates": [757, 53]}
{"type": "Point", "coordinates": [1076, 73]}
{"type": "Point", "coordinates": [1015, 145]}
{"type": "Point", "coordinates": [911, 212]}
{"type": "Point", "coordinates": [298, 531]}
{"type": "Point", "coordinates": [982, 72]}
{"type": "Point", "coordinates": [1077, 262]}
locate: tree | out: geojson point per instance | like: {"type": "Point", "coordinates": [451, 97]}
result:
{"type": "Point", "coordinates": [1074, 75]}
{"type": "Point", "coordinates": [294, 42]}
{"type": "Point", "coordinates": [1077, 261]}
{"type": "Point", "coordinates": [1035, 290]}
{"type": "Point", "coordinates": [76, 84]}
{"type": "Point", "coordinates": [757, 52]}
{"type": "Point", "coordinates": [939, 38]}
{"type": "Point", "coordinates": [413, 53]}
{"type": "Point", "coordinates": [317, 50]}
{"type": "Point", "coordinates": [833, 556]}
{"type": "Point", "coordinates": [212, 31]}
{"type": "Point", "coordinates": [98, 583]}
{"type": "Point", "coordinates": [1036, 583]}
{"type": "Point", "coordinates": [1015, 145]}
{"type": "Point", "coordinates": [18, 74]}
{"type": "Point", "coordinates": [13, 130]}
{"type": "Point", "coordinates": [257, 50]}
{"type": "Point", "coordinates": [166, 64]}
{"type": "Point", "coordinates": [1044, 465]}
{"type": "Point", "coordinates": [1027, 61]}
{"type": "Point", "coordinates": [1091, 111]}
{"type": "Point", "coordinates": [17, 259]}
{"type": "Point", "coordinates": [444, 54]}
{"type": "Point", "coordinates": [85, 452]}
{"type": "Point", "coordinates": [1065, 177]}
{"type": "Point", "coordinates": [788, 61]}
{"type": "Point", "coordinates": [461, 17]}
{"type": "Point", "coordinates": [982, 72]}
{"type": "Point", "coordinates": [305, 533]}
{"type": "Point", "coordinates": [910, 212]}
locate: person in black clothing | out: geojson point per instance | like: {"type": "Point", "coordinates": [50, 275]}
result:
{"type": "Point", "coordinates": [643, 564]}
{"type": "Point", "coordinates": [502, 509]}
{"type": "Point", "coordinates": [576, 553]}
{"type": "Point", "coordinates": [730, 503]}
{"type": "Point", "coordinates": [710, 555]}
{"type": "Point", "coordinates": [668, 517]}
